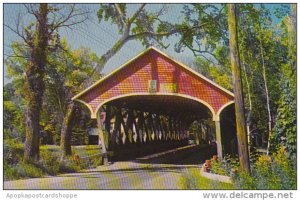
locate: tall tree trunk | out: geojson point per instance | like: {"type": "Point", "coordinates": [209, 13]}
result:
{"type": "Point", "coordinates": [238, 90]}
{"type": "Point", "coordinates": [267, 96]}
{"type": "Point", "coordinates": [248, 119]}
{"type": "Point", "coordinates": [66, 130]}
{"type": "Point", "coordinates": [34, 85]}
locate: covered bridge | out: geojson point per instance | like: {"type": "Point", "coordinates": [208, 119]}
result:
{"type": "Point", "coordinates": [151, 98]}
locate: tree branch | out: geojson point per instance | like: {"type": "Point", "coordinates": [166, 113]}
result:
{"type": "Point", "coordinates": [62, 20]}
{"type": "Point", "coordinates": [131, 20]}
{"type": "Point", "coordinates": [15, 56]}
{"type": "Point", "coordinates": [171, 32]}
{"type": "Point", "coordinates": [201, 52]}
{"type": "Point", "coordinates": [18, 33]}
{"type": "Point", "coordinates": [30, 10]}
{"type": "Point", "coordinates": [122, 15]}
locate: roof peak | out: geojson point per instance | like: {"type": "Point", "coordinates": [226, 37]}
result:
{"type": "Point", "coordinates": [141, 54]}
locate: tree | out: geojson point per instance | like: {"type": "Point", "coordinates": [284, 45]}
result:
{"type": "Point", "coordinates": [37, 42]}
{"type": "Point", "coordinates": [260, 69]}
{"type": "Point", "coordinates": [13, 116]}
{"type": "Point", "coordinates": [209, 40]}
{"type": "Point", "coordinates": [67, 70]}
{"type": "Point", "coordinates": [34, 84]}
{"type": "Point", "coordinates": [219, 74]}
{"type": "Point", "coordinates": [285, 129]}
{"type": "Point", "coordinates": [238, 90]}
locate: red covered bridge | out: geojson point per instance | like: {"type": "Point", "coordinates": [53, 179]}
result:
{"type": "Point", "coordinates": [153, 98]}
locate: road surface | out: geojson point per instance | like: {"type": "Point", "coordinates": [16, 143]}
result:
{"type": "Point", "coordinates": [159, 171]}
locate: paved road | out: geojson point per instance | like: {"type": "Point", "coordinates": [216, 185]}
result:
{"type": "Point", "coordinates": [151, 172]}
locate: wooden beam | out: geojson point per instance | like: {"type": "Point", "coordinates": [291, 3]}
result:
{"type": "Point", "coordinates": [129, 126]}
{"type": "Point", "coordinates": [107, 135]}
{"type": "Point", "coordinates": [102, 141]}
{"type": "Point", "coordinates": [219, 139]}
{"type": "Point", "coordinates": [117, 126]}
{"type": "Point", "coordinates": [157, 127]}
{"type": "Point", "coordinates": [140, 126]}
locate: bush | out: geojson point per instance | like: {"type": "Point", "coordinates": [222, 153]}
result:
{"type": "Point", "coordinates": [49, 162]}
{"type": "Point", "coordinates": [13, 151]}
{"type": "Point", "coordinates": [10, 172]}
{"type": "Point", "coordinates": [276, 172]}
{"type": "Point", "coordinates": [225, 166]}
{"type": "Point", "coordinates": [29, 170]}
{"type": "Point", "coordinates": [69, 166]}
{"type": "Point", "coordinates": [52, 164]}
{"type": "Point", "coordinates": [217, 167]}
{"type": "Point", "coordinates": [243, 180]}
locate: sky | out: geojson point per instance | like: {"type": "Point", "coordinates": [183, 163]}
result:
{"type": "Point", "coordinates": [100, 37]}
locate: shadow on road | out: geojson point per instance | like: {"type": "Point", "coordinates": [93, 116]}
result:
{"type": "Point", "coordinates": [172, 161]}
{"type": "Point", "coordinates": [195, 155]}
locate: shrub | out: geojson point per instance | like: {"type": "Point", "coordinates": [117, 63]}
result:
{"type": "Point", "coordinates": [245, 181]}
{"type": "Point", "coordinates": [29, 170]}
{"type": "Point", "coordinates": [49, 162]}
{"type": "Point", "coordinates": [13, 151]}
{"type": "Point", "coordinates": [10, 172]}
{"type": "Point", "coordinates": [225, 166]}
{"type": "Point", "coordinates": [69, 166]}
{"type": "Point", "coordinates": [217, 167]}
{"type": "Point", "coordinates": [276, 172]}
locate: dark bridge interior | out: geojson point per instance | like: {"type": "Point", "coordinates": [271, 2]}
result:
{"type": "Point", "coordinates": [170, 105]}
{"type": "Point", "coordinates": [139, 125]}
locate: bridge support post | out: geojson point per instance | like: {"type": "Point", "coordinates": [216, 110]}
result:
{"type": "Point", "coordinates": [219, 138]}
{"type": "Point", "coordinates": [101, 137]}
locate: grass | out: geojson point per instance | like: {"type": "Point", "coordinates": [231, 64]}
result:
{"type": "Point", "coordinates": [50, 162]}
{"type": "Point", "coordinates": [194, 180]}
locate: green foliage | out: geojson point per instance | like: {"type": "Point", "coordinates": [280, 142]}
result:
{"type": "Point", "coordinates": [108, 12]}
{"type": "Point", "coordinates": [50, 162]}
{"type": "Point", "coordinates": [13, 154]}
{"type": "Point", "coordinates": [89, 156]}
{"type": "Point", "coordinates": [245, 181]}
{"type": "Point", "coordinates": [144, 25]}
{"type": "Point", "coordinates": [275, 172]}
{"type": "Point", "coordinates": [285, 130]}
{"type": "Point", "coordinates": [83, 123]}
{"type": "Point", "coordinates": [69, 166]}
{"type": "Point", "coordinates": [66, 69]}
{"type": "Point", "coordinates": [13, 116]}
{"type": "Point", "coordinates": [255, 30]}
{"type": "Point", "coordinates": [203, 31]}
{"type": "Point", "coordinates": [194, 180]}
{"type": "Point", "coordinates": [22, 170]}
{"type": "Point", "coordinates": [13, 151]}
{"type": "Point", "coordinates": [10, 172]}
{"type": "Point", "coordinates": [29, 170]}
{"type": "Point", "coordinates": [267, 172]}
{"type": "Point", "coordinates": [218, 74]}
{"type": "Point", "coordinates": [217, 168]}
{"type": "Point", "coordinates": [226, 166]}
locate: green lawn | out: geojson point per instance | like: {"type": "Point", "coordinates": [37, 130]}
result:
{"type": "Point", "coordinates": [82, 151]}
{"type": "Point", "coordinates": [194, 180]}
